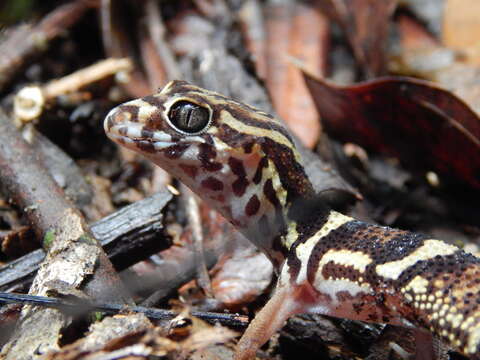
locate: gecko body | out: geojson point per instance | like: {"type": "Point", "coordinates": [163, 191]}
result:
{"type": "Point", "coordinates": [243, 163]}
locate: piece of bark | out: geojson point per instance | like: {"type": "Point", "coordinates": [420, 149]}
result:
{"type": "Point", "coordinates": [328, 338]}
{"type": "Point", "coordinates": [74, 255]}
{"type": "Point", "coordinates": [131, 338]}
{"type": "Point", "coordinates": [129, 235]}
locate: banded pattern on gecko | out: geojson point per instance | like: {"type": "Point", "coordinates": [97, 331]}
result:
{"type": "Point", "coordinates": [244, 163]}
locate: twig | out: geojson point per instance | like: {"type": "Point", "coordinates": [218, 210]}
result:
{"type": "Point", "coordinates": [80, 306]}
{"type": "Point", "coordinates": [85, 77]}
{"type": "Point", "coordinates": [30, 101]}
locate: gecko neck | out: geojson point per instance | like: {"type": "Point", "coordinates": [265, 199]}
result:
{"type": "Point", "coordinates": [277, 203]}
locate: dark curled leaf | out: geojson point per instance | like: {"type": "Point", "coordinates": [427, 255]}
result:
{"type": "Point", "coordinates": [425, 126]}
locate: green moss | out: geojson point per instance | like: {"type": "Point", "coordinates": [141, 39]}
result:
{"type": "Point", "coordinates": [97, 316]}
{"type": "Point", "coordinates": [48, 239]}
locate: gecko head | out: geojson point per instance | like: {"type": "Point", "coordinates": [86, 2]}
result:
{"type": "Point", "coordinates": [190, 126]}
{"type": "Point", "coordinates": [156, 123]}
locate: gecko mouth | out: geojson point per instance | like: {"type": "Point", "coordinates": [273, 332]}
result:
{"type": "Point", "coordinates": [120, 128]}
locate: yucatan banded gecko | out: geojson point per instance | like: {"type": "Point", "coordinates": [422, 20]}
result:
{"type": "Point", "coordinates": [243, 163]}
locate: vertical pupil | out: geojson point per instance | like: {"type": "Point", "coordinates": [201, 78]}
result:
{"type": "Point", "coordinates": [188, 117]}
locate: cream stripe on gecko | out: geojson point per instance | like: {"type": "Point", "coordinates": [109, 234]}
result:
{"type": "Point", "coordinates": [243, 163]}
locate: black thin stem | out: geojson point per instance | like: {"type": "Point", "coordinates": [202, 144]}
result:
{"type": "Point", "coordinates": [81, 306]}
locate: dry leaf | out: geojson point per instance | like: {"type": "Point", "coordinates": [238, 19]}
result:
{"type": "Point", "coordinates": [425, 126]}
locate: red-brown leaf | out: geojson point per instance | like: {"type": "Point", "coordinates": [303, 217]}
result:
{"type": "Point", "coordinates": [427, 127]}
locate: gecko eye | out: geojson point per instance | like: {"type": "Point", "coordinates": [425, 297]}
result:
{"type": "Point", "coordinates": [188, 117]}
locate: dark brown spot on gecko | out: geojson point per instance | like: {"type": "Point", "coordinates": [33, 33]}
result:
{"type": "Point", "coordinates": [293, 262]}
{"type": "Point", "coordinates": [270, 193]}
{"type": "Point", "coordinates": [248, 147]}
{"type": "Point", "coordinates": [175, 151]}
{"type": "Point", "coordinates": [146, 146]}
{"type": "Point", "coordinates": [237, 167]}
{"type": "Point", "coordinates": [253, 205]}
{"type": "Point", "coordinates": [212, 183]}
{"type": "Point", "coordinates": [206, 156]}
{"type": "Point", "coordinates": [231, 136]}
{"type": "Point", "coordinates": [344, 296]}
{"type": "Point", "coordinates": [239, 186]}
{"type": "Point", "coordinates": [156, 122]}
{"type": "Point", "coordinates": [358, 307]}
{"type": "Point", "coordinates": [291, 173]}
{"type": "Point", "coordinates": [263, 163]}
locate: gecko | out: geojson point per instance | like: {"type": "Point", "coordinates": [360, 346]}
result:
{"type": "Point", "coordinates": [243, 163]}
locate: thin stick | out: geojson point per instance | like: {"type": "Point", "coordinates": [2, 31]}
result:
{"type": "Point", "coordinates": [79, 306]}
{"type": "Point", "coordinates": [86, 76]}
